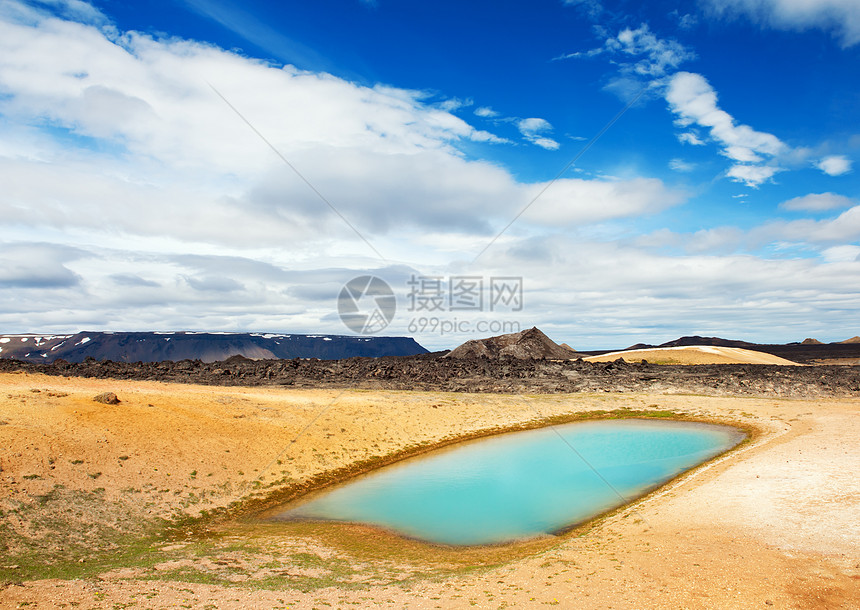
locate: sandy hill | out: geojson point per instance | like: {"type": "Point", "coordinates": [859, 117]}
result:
{"type": "Point", "coordinates": [527, 344]}
{"type": "Point", "coordinates": [694, 354]}
{"type": "Point", "coordinates": [809, 341]}
{"type": "Point", "coordinates": [854, 339]}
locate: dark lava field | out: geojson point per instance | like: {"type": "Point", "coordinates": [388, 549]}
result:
{"type": "Point", "coordinates": [431, 372]}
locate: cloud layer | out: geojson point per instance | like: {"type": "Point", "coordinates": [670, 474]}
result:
{"type": "Point", "coordinates": [840, 16]}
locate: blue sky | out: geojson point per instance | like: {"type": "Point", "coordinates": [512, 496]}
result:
{"type": "Point", "coordinates": [143, 190]}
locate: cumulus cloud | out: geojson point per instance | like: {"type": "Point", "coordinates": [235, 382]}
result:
{"type": "Point", "coordinates": [842, 254]}
{"type": "Point", "coordinates": [694, 101]}
{"type": "Point", "coordinates": [486, 112]}
{"type": "Point", "coordinates": [642, 293]}
{"type": "Point", "coordinates": [752, 175]}
{"type": "Point", "coordinates": [165, 210]}
{"type": "Point", "coordinates": [648, 64]}
{"type": "Point", "coordinates": [839, 16]}
{"type": "Point", "coordinates": [819, 202]}
{"type": "Point", "coordinates": [834, 165]}
{"type": "Point", "coordinates": [533, 130]}
{"type": "Point", "coordinates": [841, 229]}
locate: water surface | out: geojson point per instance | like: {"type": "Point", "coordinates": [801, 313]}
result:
{"type": "Point", "coordinates": [521, 484]}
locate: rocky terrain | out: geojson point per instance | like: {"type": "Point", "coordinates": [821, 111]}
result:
{"type": "Point", "coordinates": [531, 343]}
{"type": "Point", "coordinates": [430, 372]}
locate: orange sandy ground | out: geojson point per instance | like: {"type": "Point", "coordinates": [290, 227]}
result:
{"type": "Point", "coordinates": [774, 524]}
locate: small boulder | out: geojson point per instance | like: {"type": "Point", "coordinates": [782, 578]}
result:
{"type": "Point", "coordinates": [108, 398]}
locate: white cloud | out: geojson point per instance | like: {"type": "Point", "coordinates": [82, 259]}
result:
{"type": "Point", "coordinates": [533, 126]}
{"type": "Point", "coordinates": [658, 56]}
{"type": "Point", "coordinates": [486, 112]}
{"type": "Point", "coordinates": [545, 143]}
{"type": "Point", "coordinates": [37, 265]}
{"type": "Point", "coordinates": [578, 202]}
{"type": "Point", "coordinates": [134, 197]}
{"type": "Point", "coordinates": [841, 254]}
{"type": "Point", "coordinates": [818, 202]}
{"type": "Point", "coordinates": [752, 175]}
{"type": "Point", "coordinates": [692, 98]}
{"type": "Point", "coordinates": [845, 228]}
{"type": "Point", "coordinates": [640, 293]}
{"type": "Point", "coordinates": [834, 165]}
{"type": "Point", "coordinates": [76, 10]}
{"type": "Point", "coordinates": [591, 7]}
{"type": "Point", "coordinates": [455, 103]}
{"type": "Point", "coordinates": [688, 137]}
{"type": "Point", "coordinates": [687, 21]}
{"type": "Point", "coordinates": [679, 165]}
{"type": "Point", "coordinates": [840, 16]}
{"type": "Point", "coordinates": [532, 130]}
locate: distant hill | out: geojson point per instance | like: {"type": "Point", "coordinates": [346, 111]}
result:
{"type": "Point", "coordinates": [810, 351]}
{"type": "Point", "coordinates": [693, 354]}
{"type": "Point", "coordinates": [208, 347]}
{"type": "Point", "coordinates": [527, 344]}
{"type": "Point", "coordinates": [696, 340]}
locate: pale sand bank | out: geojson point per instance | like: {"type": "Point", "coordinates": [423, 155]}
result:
{"type": "Point", "coordinates": [694, 354]}
{"type": "Point", "coordinates": [776, 521]}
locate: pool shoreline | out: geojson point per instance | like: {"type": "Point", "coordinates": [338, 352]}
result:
{"type": "Point", "coordinates": [262, 511]}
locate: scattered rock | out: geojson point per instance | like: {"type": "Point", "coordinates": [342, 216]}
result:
{"type": "Point", "coordinates": [108, 398]}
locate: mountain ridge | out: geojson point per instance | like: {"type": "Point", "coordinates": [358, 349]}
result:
{"type": "Point", "coordinates": [159, 346]}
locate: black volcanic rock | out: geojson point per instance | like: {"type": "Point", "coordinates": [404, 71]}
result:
{"type": "Point", "coordinates": [207, 347]}
{"type": "Point", "coordinates": [696, 340]}
{"type": "Point", "coordinates": [481, 374]}
{"type": "Point", "coordinates": [527, 344]}
{"type": "Point", "coordinates": [717, 341]}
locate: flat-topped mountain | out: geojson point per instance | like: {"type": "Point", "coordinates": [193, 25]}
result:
{"type": "Point", "coordinates": [208, 347]}
{"type": "Point", "coordinates": [524, 345]}
{"type": "Point", "coordinates": [696, 340]}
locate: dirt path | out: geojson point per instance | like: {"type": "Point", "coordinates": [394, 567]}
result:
{"type": "Point", "coordinates": [772, 525]}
